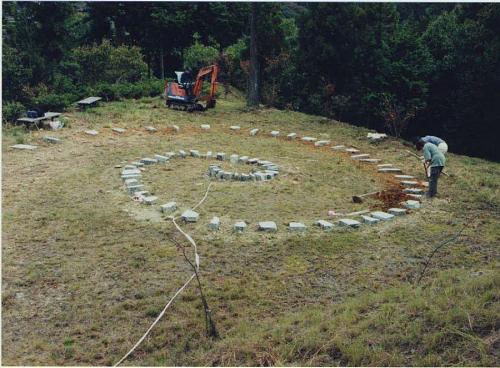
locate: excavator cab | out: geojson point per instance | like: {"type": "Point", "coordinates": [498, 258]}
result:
{"type": "Point", "coordinates": [186, 94]}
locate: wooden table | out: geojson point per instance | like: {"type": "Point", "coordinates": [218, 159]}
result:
{"type": "Point", "coordinates": [88, 102]}
{"type": "Point", "coordinates": [35, 121]}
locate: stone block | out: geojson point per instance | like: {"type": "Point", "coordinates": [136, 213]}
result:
{"type": "Point", "coordinates": [385, 165]}
{"type": "Point", "coordinates": [221, 156]}
{"type": "Point", "coordinates": [190, 216]}
{"type": "Point", "coordinates": [227, 175]}
{"type": "Point", "coordinates": [321, 143]}
{"type": "Point", "coordinates": [235, 127]}
{"type": "Point", "coordinates": [214, 223]}
{"type": "Point", "coordinates": [234, 159]}
{"type": "Point", "coordinates": [51, 139]}
{"type": "Point", "coordinates": [384, 216]}
{"type": "Point", "coordinates": [119, 130]}
{"type": "Point", "coordinates": [338, 148]}
{"type": "Point", "coordinates": [309, 139]}
{"type": "Point", "coordinates": [245, 177]}
{"type": "Point", "coordinates": [243, 159]}
{"type": "Point", "coordinates": [376, 136]}
{"type": "Point", "coordinates": [297, 226]}
{"type": "Point", "coordinates": [409, 183]}
{"type": "Point", "coordinates": [360, 156]}
{"type": "Point", "coordinates": [150, 128]}
{"type": "Point", "coordinates": [137, 164]}
{"type": "Point", "coordinates": [209, 155]}
{"type": "Point", "coordinates": [369, 220]}
{"type": "Point", "coordinates": [370, 160]}
{"type": "Point", "coordinates": [162, 158]}
{"type": "Point", "coordinates": [130, 182]}
{"type": "Point", "coordinates": [142, 193]}
{"type": "Point", "coordinates": [168, 207]}
{"type": "Point", "coordinates": [416, 196]}
{"type": "Point", "coordinates": [397, 211]}
{"type": "Point", "coordinates": [291, 135]}
{"type": "Point", "coordinates": [150, 200]}
{"type": "Point", "coordinates": [149, 161]}
{"type": "Point", "coordinates": [349, 222]}
{"type": "Point", "coordinates": [252, 161]}
{"type": "Point", "coordinates": [135, 188]}
{"type": "Point", "coordinates": [176, 128]}
{"type": "Point", "coordinates": [325, 225]}
{"type": "Point", "coordinates": [131, 172]}
{"type": "Point", "coordinates": [413, 191]}
{"type": "Point", "coordinates": [170, 154]}
{"type": "Point", "coordinates": [411, 204]}
{"type": "Point", "coordinates": [240, 226]}
{"type": "Point", "coordinates": [182, 154]}
{"type": "Point", "coordinates": [275, 133]}
{"type": "Point", "coordinates": [131, 176]}
{"type": "Point", "coordinates": [269, 226]}
{"type": "Point", "coordinates": [130, 167]}
{"type": "Point", "coordinates": [388, 170]}
{"type": "Point", "coordinates": [205, 126]}
{"type": "Point", "coordinates": [254, 132]}
{"type": "Point", "coordinates": [404, 177]}
{"type": "Point", "coordinates": [352, 150]}
{"type": "Point", "coordinates": [194, 153]}
{"type": "Point", "coordinates": [91, 132]}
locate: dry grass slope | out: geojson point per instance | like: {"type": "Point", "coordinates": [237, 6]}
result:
{"type": "Point", "coordinates": [85, 270]}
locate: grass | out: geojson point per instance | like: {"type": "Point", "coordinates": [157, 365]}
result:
{"type": "Point", "coordinates": [86, 270]}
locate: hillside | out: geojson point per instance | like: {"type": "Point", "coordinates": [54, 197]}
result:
{"type": "Point", "coordinates": [86, 270]}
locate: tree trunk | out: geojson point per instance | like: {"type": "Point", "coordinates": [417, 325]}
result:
{"type": "Point", "coordinates": [162, 64]}
{"type": "Point", "coordinates": [253, 97]}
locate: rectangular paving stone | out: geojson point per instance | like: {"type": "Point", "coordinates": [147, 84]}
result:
{"type": "Point", "coordinates": [321, 143]}
{"type": "Point", "coordinates": [411, 204]}
{"type": "Point", "coordinates": [253, 161]}
{"type": "Point", "coordinates": [205, 126]}
{"type": "Point", "coordinates": [369, 220]}
{"type": "Point", "coordinates": [150, 200]}
{"type": "Point", "coordinates": [409, 183]}
{"type": "Point", "coordinates": [404, 177]}
{"type": "Point", "coordinates": [175, 127]}
{"type": "Point", "coordinates": [338, 148]}
{"type": "Point", "coordinates": [170, 154]}
{"type": "Point", "coordinates": [309, 139]}
{"type": "Point", "coordinates": [239, 226]}
{"type": "Point", "coordinates": [182, 154]}
{"type": "Point", "coordinates": [243, 159]}
{"type": "Point", "coordinates": [397, 211]}
{"type": "Point", "coordinates": [413, 191]}
{"type": "Point", "coordinates": [254, 132]}
{"type": "Point", "coordinates": [119, 130]}
{"type": "Point", "coordinates": [209, 155]}
{"type": "Point", "coordinates": [194, 153]}
{"type": "Point", "coordinates": [325, 225]}
{"type": "Point", "coordinates": [388, 170]}
{"type": "Point", "coordinates": [370, 160]}
{"type": "Point", "coordinates": [168, 207]}
{"type": "Point", "coordinates": [137, 164]}
{"type": "Point", "coordinates": [245, 177]}
{"type": "Point", "coordinates": [360, 156]}
{"type": "Point", "coordinates": [275, 133]}
{"type": "Point", "coordinates": [385, 165]}
{"type": "Point", "coordinates": [150, 128]}
{"type": "Point", "coordinates": [161, 158]}
{"type": "Point", "coordinates": [129, 182]}
{"type": "Point", "coordinates": [149, 161]}
{"type": "Point", "coordinates": [352, 150]}
{"type": "Point", "coordinates": [92, 132]}
{"type": "Point", "coordinates": [234, 159]}
{"type": "Point", "coordinates": [190, 216]}
{"type": "Point", "coordinates": [49, 139]}
{"type": "Point", "coordinates": [384, 216]}
{"type": "Point", "coordinates": [214, 223]}
{"type": "Point", "coordinates": [131, 172]}
{"type": "Point", "coordinates": [269, 226]}
{"type": "Point", "coordinates": [297, 226]}
{"type": "Point", "coordinates": [129, 167]}
{"type": "Point", "coordinates": [131, 176]}
{"type": "Point", "coordinates": [235, 127]}
{"type": "Point", "coordinates": [349, 222]}
{"type": "Point", "coordinates": [221, 156]}
{"type": "Point", "coordinates": [291, 135]}
{"type": "Point", "coordinates": [135, 188]}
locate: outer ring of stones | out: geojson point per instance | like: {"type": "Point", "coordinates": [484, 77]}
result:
{"type": "Point", "coordinates": [132, 174]}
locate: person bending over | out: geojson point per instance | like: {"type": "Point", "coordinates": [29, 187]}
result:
{"type": "Point", "coordinates": [434, 159]}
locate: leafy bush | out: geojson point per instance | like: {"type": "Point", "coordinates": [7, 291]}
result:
{"type": "Point", "coordinates": [11, 111]}
{"type": "Point", "coordinates": [54, 101]}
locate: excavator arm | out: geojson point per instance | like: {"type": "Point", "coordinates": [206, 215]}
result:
{"type": "Point", "coordinates": [213, 71]}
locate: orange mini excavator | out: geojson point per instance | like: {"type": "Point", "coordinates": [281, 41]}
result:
{"type": "Point", "coordinates": [188, 95]}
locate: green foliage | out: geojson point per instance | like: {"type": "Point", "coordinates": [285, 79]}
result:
{"type": "Point", "coordinates": [199, 55]}
{"type": "Point", "coordinates": [11, 111]}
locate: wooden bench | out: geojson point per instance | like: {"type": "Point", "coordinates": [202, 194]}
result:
{"type": "Point", "coordinates": [88, 102]}
{"type": "Point", "coordinates": [35, 121]}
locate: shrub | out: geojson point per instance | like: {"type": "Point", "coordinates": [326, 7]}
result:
{"type": "Point", "coordinates": [11, 111]}
{"type": "Point", "coordinates": [54, 101]}
{"type": "Point", "coordinates": [198, 55]}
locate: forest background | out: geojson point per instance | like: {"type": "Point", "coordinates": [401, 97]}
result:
{"type": "Point", "coordinates": [404, 68]}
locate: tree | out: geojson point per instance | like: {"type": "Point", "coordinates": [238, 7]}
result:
{"type": "Point", "coordinates": [253, 97]}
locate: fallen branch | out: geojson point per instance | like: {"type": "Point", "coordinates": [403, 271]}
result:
{"type": "Point", "coordinates": [467, 223]}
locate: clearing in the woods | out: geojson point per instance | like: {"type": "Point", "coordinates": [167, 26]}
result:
{"type": "Point", "coordinates": [85, 270]}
